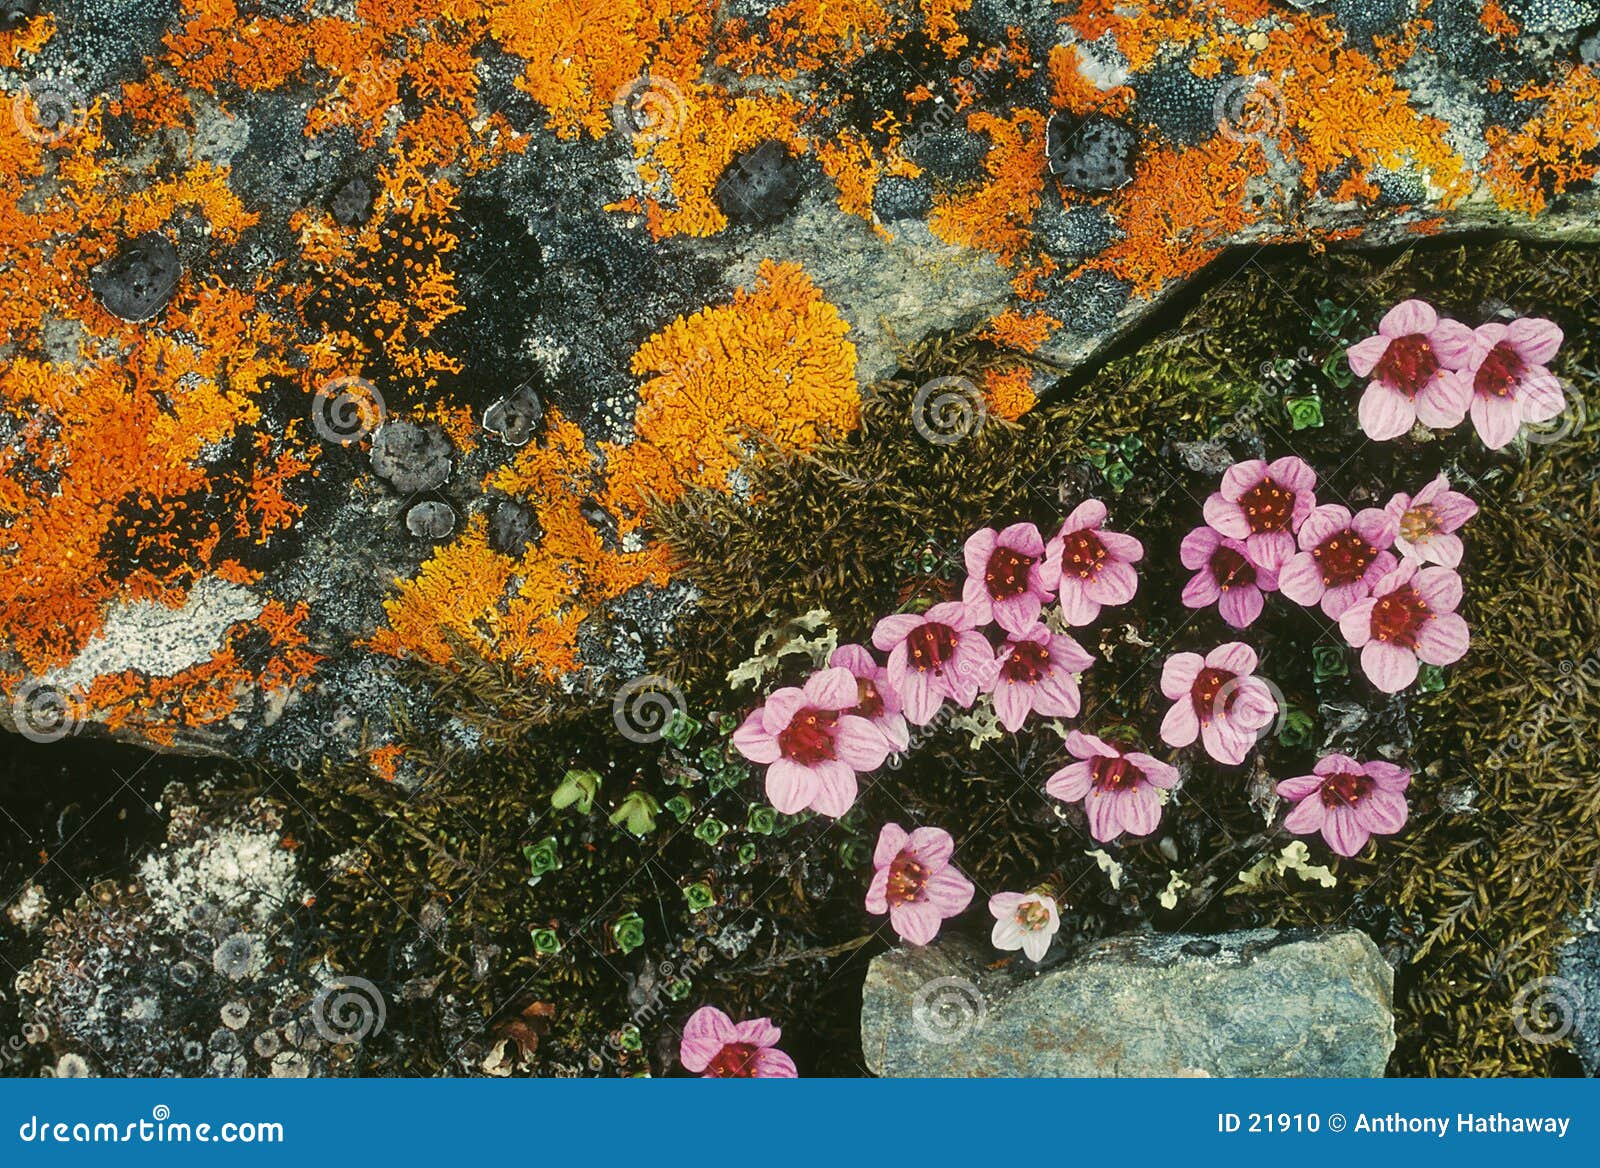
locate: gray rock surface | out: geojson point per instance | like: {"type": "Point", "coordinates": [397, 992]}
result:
{"type": "Point", "coordinates": [1256, 1003]}
{"type": "Point", "coordinates": [1571, 1000]}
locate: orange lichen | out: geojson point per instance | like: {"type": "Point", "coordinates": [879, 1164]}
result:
{"type": "Point", "coordinates": [585, 55]}
{"type": "Point", "coordinates": [1185, 204]}
{"type": "Point", "coordinates": [803, 35]}
{"type": "Point", "coordinates": [1071, 90]}
{"type": "Point", "coordinates": [1497, 22]}
{"type": "Point", "coordinates": [997, 215]}
{"type": "Point", "coordinates": [1554, 151]}
{"type": "Point", "coordinates": [679, 160]}
{"type": "Point", "coordinates": [775, 362]}
{"type": "Point", "coordinates": [1009, 391]}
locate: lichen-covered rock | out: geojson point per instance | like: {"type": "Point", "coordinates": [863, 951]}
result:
{"type": "Point", "coordinates": [1566, 1008]}
{"type": "Point", "coordinates": [591, 275]}
{"type": "Point", "coordinates": [1256, 1003]}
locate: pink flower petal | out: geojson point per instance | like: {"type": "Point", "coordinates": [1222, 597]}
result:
{"type": "Point", "coordinates": [831, 689]}
{"type": "Point", "coordinates": [1242, 477]}
{"type": "Point", "coordinates": [780, 708]}
{"type": "Point", "coordinates": [1070, 783]}
{"type": "Point", "coordinates": [1365, 354]}
{"type": "Point", "coordinates": [1180, 727]}
{"type": "Point", "coordinates": [1239, 607]}
{"type": "Point", "coordinates": [1305, 816]}
{"type": "Point", "coordinates": [835, 789]}
{"type": "Point", "coordinates": [1201, 590]}
{"type": "Point", "coordinates": [1382, 812]}
{"type": "Point", "coordinates": [1343, 831]}
{"type": "Point", "coordinates": [891, 630]}
{"type": "Point", "coordinates": [1440, 588]}
{"type": "Point", "coordinates": [1299, 787]}
{"type": "Point", "coordinates": [771, 1063]}
{"type": "Point", "coordinates": [1356, 623]}
{"type": "Point", "coordinates": [1452, 342]}
{"type": "Point", "coordinates": [753, 741]}
{"type": "Point", "coordinates": [1140, 810]}
{"type": "Point", "coordinates": [1269, 549]}
{"type": "Point", "coordinates": [1292, 472]}
{"type": "Point", "coordinates": [1090, 746]}
{"type": "Point", "coordinates": [877, 901]}
{"type": "Point", "coordinates": [1388, 667]}
{"type": "Point", "coordinates": [1076, 607]}
{"type": "Point", "coordinates": [1156, 772]}
{"type": "Point", "coordinates": [1535, 338]}
{"type": "Point", "coordinates": [706, 1032]}
{"type": "Point", "coordinates": [1178, 674]}
{"type": "Point", "coordinates": [1300, 580]}
{"type": "Point", "coordinates": [1496, 419]}
{"type": "Point", "coordinates": [949, 892]}
{"type": "Point", "coordinates": [1004, 904]}
{"type": "Point", "coordinates": [1104, 821]}
{"type": "Point", "coordinates": [891, 841]}
{"type": "Point", "coordinates": [1409, 316]}
{"type": "Point", "coordinates": [1016, 614]}
{"type": "Point", "coordinates": [856, 658]}
{"type": "Point", "coordinates": [976, 551]}
{"type": "Point", "coordinates": [1012, 704]}
{"type": "Point", "coordinates": [917, 924]}
{"type": "Point", "coordinates": [1226, 517]}
{"type": "Point", "coordinates": [757, 1032]}
{"type": "Point", "coordinates": [1384, 413]}
{"type": "Point", "coordinates": [932, 846]}
{"type": "Point", "coordinates": [1443, 402]}
{"type": "Point", "coordinates": [1196, 548]}
{"type": "Point", "coordinates": [1540, 396]}
{"type": "Point", "coordinates": [1087, 514]}
{"type": "Point", "coordinates": [1122, 547]}
{"type": "Point", "coordinates": [1234, 656]}
{"type": "Point", "coordinates": [1444, 640]}
{"type": "Point", "coordinates": [858, 743]}
{"type": "Point", "coordinates": [1115, 583]}
{"type": "Point", "coordinates": [790, 786]}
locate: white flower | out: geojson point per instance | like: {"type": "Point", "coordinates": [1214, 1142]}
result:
{"type": "Point", "coordinates": [1024, 920]}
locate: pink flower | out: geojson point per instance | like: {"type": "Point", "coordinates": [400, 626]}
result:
{"type": "Point", "coordinates": [1118, 789]}
{"type": "Point", "coordinates": [1225, 576]}
{"type": "Point", "coordinates": [1024, 920]}
{"type": "Point", "coordinates": [1217, 699]}
{"type": "Point", "coordinates": [876, 700]}
{"type": "Point", "coordinates": [811, 744]}
{"type": "Point", "coordinates": [1341, 558]}
{"type": "Point", "coordinates": [914, 882]}
{"type": "Point", "coordinates": [1263, 504]}
{"type": "Point", "coordinates": [1096, 565]}
{"type": "Point", "coordinates": [714, 1046]}
{"type": "Point", "coordinates": [1428, 522]}
{"type": "Point", "coordinates": [1411, 617]}
{"type": "Point", "coordinates": [1348, 801]}
{"type": "Point", "coordinates": [1038, 674]}
{"type": "Point", "coordinates": [939, 654]}
{"type": "Point", "coordinates": [1508, 377]}
{"type": "Point", "coordinates": [1412, 361]}
{"type": "Point", "coordinates": [1009, 575]}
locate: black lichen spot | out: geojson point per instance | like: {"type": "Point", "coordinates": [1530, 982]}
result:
{"type": "Point", "coordinates": [431, 519]}
{"type": "Point", "coordinates": [513, 527]}
{"type": "Point", "coordinates": [351, 203]}
{"type": "Point", "coordinates": [515, 418]}
{"type": "Point", "coordinates": [16, 13]}
{"type": "Point", "coordinates": [138, 281]}
{"type": "Point", "coordinates": [411, 457]}
{"type": "Point", "coordinates": [1090, 302]}
{"type": "Point", "coordinates": [945, 153]}
{"type": "Point", "coordinates": [1093, 154]}
{"type": "Point", "coordinates": [901, 198]}
{"type": "Point", "coordinates": [1074, 232]}
{"type": "Point", "coordinates": [1399, 188]}
{"type": "Point", "coordinates": [1178, 103]}
{"type": "Point", "coordinates": [1201, 948]}
{"type": "Point", "coordinates": [761, 185]}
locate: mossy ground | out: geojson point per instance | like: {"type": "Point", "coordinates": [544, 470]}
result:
{"type": "Point", "coordinates": [430, 893]}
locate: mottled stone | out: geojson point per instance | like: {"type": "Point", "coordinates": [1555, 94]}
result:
{"type": "Point", "coordinates": [1093, 154]}
{"type": "Point", "coordinates": [1569, 1008]}
{"type": "Point", "coordinates": [761, 185]}
{"type": "Point", "coordinates": [1253, 1003]}
{"type": "Point", "coordinates": [138, 281]}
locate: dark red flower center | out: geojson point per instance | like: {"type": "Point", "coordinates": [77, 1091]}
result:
{"type": "Point", "coordinates": [736, 1060]}
{"type": "Point", "coordinates": [907, 879]}
{"type": "Point", "coordinates": [1498, 374]}
{"type": "Point", "coordinates": [1231, 569]}
{"type": "Point", "coordinates": [1268, 507]}
{"type": "Point", "coordinates": [1007, 573]}
{"type": "Point", "coordinates": [1407, 364]}
{"type": "Point", "coordinates": [931, 645]}
{"type": "Point", "coordinates": [1343, 558]}
{"type": "Point", "coordinates": [869, 702]}
{"type": "Point", "coordinates": [1114, 774]}
{"type": "Point", "coordinates": [1345, 789]}
{"type": "Point", "coordinates": [1398, 617]}
{"type": "Point", "coordinates": [1082, 554]}
{"type": "Point", "coordinates": [1027, 662]}
{"type": "Point", "coordinates": [808, 738]}
{"type": "Point", "coordinates": [1207, 686]}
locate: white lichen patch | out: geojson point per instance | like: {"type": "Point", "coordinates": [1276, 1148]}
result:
{"type": "Point", "coordinates": [157, 640]}
{"type": "Point", "coordinates": [240, 868]}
